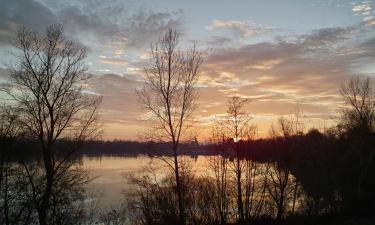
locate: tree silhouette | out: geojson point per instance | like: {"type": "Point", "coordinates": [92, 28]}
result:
{"type": "Point", "coordinates": [47, 88]}
{"type": "Point", "coordinates": [169, 95]}
{"type": "Point", "coordinates": [237, 126]}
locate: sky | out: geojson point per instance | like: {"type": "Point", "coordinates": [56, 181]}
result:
{"type": "Point", "coordinates": [282, 55]}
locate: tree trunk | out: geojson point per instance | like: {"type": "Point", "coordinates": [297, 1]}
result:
{"type": "Point", "coordinates": [179, 188]}
{"type": "Point", "coordinates": [294, 197]}
{"type": "Point", "coordinates": [6, 210]}
{"type": "Point", "coordinates": [280, 211]}
{"type": "Point", "coordinates": [280, 206]}
{"type": "Point", "coordinates": [239, 189]}
{"type": "Point", "coordinates": [44, 207]}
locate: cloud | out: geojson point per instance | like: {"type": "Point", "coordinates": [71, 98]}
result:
{"type": "Point", "coordinates": [242, 28]}
{"type": "Point", "coordinates": [28, 13]}
{"type": "Point", "coordinates": [278, 75]}
{"type": "Point", "coordinates": [112, 61]}
{"type": "Point", "coordinates": [365, 10]}
{"type": "Point", "coordinates": [332, 35]}
{"type": "Point", "coordinates": [4, 75]}
{"type": "Point", "coordinates": [119, 101]}
{"type": "Point", "coordinates": [368, 46]}
{"type": "Point", "coordinates": [217, 40]}
{"type": "Point", "coordinates": [135, 30]}
{"type": "Point", "coordinates": [100, 23]}
{"type": "Point", "coordinates": [147, 26]}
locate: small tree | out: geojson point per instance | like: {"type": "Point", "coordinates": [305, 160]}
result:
{"type": "Point", "coordinates": [237, 126]}
{"type": "Point", "coordinates": [47, 87]}
{"type": "Point", "coordinates": [169, 95]}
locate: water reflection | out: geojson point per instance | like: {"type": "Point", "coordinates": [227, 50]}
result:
{"type": "Point", "coordinates": [109, 173]}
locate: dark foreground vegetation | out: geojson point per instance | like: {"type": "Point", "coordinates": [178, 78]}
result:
{"type": "Point", "coordinates": [292, 177]}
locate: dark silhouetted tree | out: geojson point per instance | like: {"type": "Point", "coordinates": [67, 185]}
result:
{"type": "Point", "coordinates": [169, 95]}
{"type": "Point", "coordinates": [237, 126]}
{"type": "Point", "coordinates": [46, 86]}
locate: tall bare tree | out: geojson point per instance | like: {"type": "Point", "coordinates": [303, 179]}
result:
{"type": "Point", "coordinates": [47, 87]}
{"type": "Point", "coordinates": [169, 95]}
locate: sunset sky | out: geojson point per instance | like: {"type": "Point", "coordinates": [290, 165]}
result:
{"type": "Point", "coordinates": [282, 55]}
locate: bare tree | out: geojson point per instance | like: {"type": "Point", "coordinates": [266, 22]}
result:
{"type": "Point", "coordinates": [237, 125]}
{"type": "Point", "coordinates": [9, 127]}
{"type": "Point", "coordinates": [47, 87]}
{"type": "Point", "coordinates": [169, 95]}
{"type": "Point", "coordinates": [281, 185]}
{"type": "Point", "coordinates": [360, 99]}
{"type": "Point", "coordinates": [237, 122]}
{"type": "Point", "coordinates": [218, 164]}
{"type": "Point", "coordinates": [298, 126]}
{"type": "Point", "coordinates": [278, 187]}
{"type": "Point", "coordinates": [359, 123]}
{"type": "Point", "coordinates": [252, 171]}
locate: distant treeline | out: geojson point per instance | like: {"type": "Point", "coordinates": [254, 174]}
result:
{"type": "Point", "coordinates": [133, 148]}
{"type": "Point", "coordinates": [29, 148]}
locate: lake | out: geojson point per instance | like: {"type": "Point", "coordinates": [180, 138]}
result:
{"type": "Point", "coordinates": [110, 173]}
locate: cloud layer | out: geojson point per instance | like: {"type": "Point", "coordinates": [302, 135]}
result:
{"type": "Point", "coordinates": [83, 20]}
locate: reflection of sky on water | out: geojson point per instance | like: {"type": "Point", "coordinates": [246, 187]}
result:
{"type": "Point", "coordinates": [110, 173]}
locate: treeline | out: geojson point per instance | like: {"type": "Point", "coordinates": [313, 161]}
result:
{"type": "Point", "coordinates": [135, 148]}
{"type": "Point", "coordinates": [28, 148]}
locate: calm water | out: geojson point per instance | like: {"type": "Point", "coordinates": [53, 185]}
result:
{"type": "Point", "coordinates": [110, 174]}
